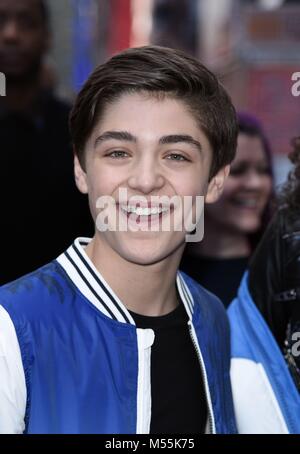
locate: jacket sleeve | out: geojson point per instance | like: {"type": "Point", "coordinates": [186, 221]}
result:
{"type": "Point", "coordinates": [12, 379]}
{"type": "Point", "coordinates": [266, 272]}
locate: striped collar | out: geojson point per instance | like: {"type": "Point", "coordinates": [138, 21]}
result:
{"type": "Point", "coordinates": [83, 273]}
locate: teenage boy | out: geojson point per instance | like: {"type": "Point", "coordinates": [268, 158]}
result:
{"type": "Point", "coordinates": [110, 337]}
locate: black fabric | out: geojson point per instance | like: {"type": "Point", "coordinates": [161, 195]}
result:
{"type": "Point", "coordinates": [274, 284]}
{"type": "Point", "coordinates": [274, 276]}
{"type": "Point", "coordinates": [41, 209]}
{"type": "Point", "coordinates": [220, 276]}
{"type": "Point", "coordinates": [178, 398]}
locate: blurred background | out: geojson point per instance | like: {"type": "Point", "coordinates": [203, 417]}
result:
{"type": "Point", "coordinates": [253, 45]}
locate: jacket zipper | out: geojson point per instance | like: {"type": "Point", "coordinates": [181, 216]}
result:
{"type": "Point", "coordinates": [212, 428]}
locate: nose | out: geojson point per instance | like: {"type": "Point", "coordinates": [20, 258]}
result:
{"type": "Point", "coordinates": [146, 176]}
{"type": "Point", "coordinates": [254, 180]}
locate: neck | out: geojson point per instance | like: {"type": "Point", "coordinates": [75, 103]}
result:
{"type": "Point", "coordinates": [220, 242]}
{"type": "Point", "coordinates": [144, 289]}
{"type": "Point", "coordinates": [21, 95]}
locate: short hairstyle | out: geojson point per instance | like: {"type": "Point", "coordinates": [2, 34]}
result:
{"type": "Point", "coordinates": [158, 71]}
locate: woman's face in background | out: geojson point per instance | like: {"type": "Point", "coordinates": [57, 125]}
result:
{"type": "Point", "coordinates": [247, 189]}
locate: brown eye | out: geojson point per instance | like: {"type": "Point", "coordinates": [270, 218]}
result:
{"type": "Point", "coordinates": [118, 154]}
{"type": "Point", "coordinates": [176, 157]}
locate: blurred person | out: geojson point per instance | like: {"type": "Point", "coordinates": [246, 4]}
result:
{"type": "Point", "coordinates": [234, 224]}
{"type": "Point", "coordinates": [48, 76]}
{"type": "Point", "coordinates": [265, 323]}
{"type": "Point", "coordinates": [110, 337]}
{"type": "Point", "coordinates": [175, 24]}
{"type": "Point", "coordinates": [41, 209]}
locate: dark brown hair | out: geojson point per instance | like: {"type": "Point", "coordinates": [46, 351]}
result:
{"type": "Point", "coordinates": [158, 71]}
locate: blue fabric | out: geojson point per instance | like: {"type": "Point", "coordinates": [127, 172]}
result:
{"type": "Point", "coordinates": [212, 329]}
{"type": "Point", "coordinates": [252, 339]}
{"type": "Point", "coordinates": [81, 367]}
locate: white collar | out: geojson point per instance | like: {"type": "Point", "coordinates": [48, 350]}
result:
{"type": "Point", "coordinates": [83, 273]}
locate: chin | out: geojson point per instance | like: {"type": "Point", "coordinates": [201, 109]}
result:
{"type": "Point", "coordinates": [249, 227]}
{"type": "Point", "coordinates": [147, 252]}
{"type": "Point", "coordinates": [143, 258]}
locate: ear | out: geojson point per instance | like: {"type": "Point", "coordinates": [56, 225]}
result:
{"type": "Point", "coordinates": [216, 185]}
{"type": "Point", "coordinates": [80, 176]}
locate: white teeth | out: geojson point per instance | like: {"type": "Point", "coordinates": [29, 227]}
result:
{"type": "Point", "coordinates": [143, 211]}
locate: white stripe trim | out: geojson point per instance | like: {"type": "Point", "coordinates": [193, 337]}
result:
{"type": "Point", "coordinates": [185, 301]}
{"type": "Point", "coordinates": [188, 293]}
{"type": "Point", "coordinates": [73, 274]}
{"type": "Point", "coordinates": [104, 297]}
{"type": "Point", "coordinates": [122, 307]}
{"type": "Point", "coordinates": [80, 284]}
{"type": "Point", "coordinates": [115, 307]}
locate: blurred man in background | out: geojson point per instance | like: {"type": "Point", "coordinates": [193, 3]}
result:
{"type": "Point", "coordinates": [37, 192]}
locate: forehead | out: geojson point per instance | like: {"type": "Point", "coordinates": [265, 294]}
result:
{"type": "Point", "coordinates": [250, 148]}
{"type": "Point", "coordinates": [16, 7]}
{"type": "Point", "coordinates": [145, 112]}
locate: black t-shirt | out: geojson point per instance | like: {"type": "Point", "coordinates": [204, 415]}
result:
{"type": "Point", "coordinates": [178, 398]}
{"type": "Point", "coordinates": [220, 276]}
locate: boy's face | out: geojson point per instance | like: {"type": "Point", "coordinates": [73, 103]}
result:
{"type": "Point", "coordinates": [146, 147]}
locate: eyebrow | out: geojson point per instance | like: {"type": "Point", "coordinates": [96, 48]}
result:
{"type": "Point", "coordinates": [115, 135]}
{"type": "Point", "coordinates": [180, 138]}
{"type": "Point", "coordinates": [128, 137]}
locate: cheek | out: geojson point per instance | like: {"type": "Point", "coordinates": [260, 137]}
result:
{"type": "Point", "coordinates": [191, 183]}
{"type": "Point", "coordinates": [32, 42]}
{"type": "Point", "coordinates": [35, 46]}
{"type": "Point", "coordinates": [103, 181]}
{"type": "Point", "coordinates": [267, 186]}
{"type": "Point", "coordinates": [190, 189]}
{"type": "Point", "coordinates": [231, 188]}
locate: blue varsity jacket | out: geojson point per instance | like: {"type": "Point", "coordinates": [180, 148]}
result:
{"type": "Point", "coordinates": [87, 366]}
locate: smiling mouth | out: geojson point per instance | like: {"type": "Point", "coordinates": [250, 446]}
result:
{"type": "Point", "coordinates": [145, 214]}
{"type": "Point", "coordinates": [144, 211]}
{"type": "Point", "coordinates": [252, 204]}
